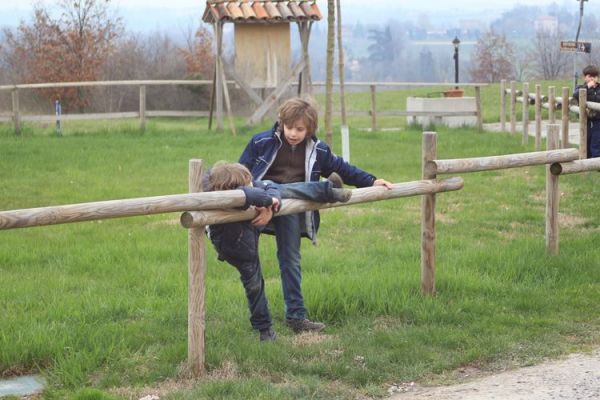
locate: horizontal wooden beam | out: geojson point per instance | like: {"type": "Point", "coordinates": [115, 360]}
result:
{"type": "Point", "coordinates": [501, 162]}
{"type": "Point", "coordinates": [291, 206]}
{"type": "Point", "coordinates": [405, 84]}
{"type": "Point", "coordinates": [588, 164]}
{"type": "Point", "coordinates": [120, 208]}
{"type": "Point", "coordinates": [109, 83]}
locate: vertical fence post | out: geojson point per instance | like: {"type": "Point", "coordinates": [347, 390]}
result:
{"type": "Point", "coordinates": [565, 118]}
{"type": "Point", "coordinates": [478, 108]}
{"type": "Point", "coordinates": [552, 194]}
{"type": "Point", "coordinates": [196, 273]}
{"type": "Point", "coordinates": [429, 152]}
{"type": "Point", "coordinates": [583, 133]}
{"type": "Point", "coordinates": [373, 109]}
{"type": "Point", "coordinates": [503, 105]}
{"type": "Point", "coordinates": [142, 107]}
{"type": "Point", "coordinates": [538, 117]}
{"type": "Point", "coordinates": [16, 111]}
{"type": "Point", "coordinates": [513, 107]}
{"type": "Point", "coordinates": [525, 118]}
{"type": "Point", "coordinates": [551, 104]}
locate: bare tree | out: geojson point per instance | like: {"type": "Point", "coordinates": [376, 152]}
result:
{"type": "Point", "coordinates": [329, 76]}
{"type": "Point", "coordinates": [492, 58]}
{"type": "Point", "coordinates": [551, 62]}
{"type": "Point", "coordinates": [71, 48]}
{"type": "Point", "coordinates": [341, 62]}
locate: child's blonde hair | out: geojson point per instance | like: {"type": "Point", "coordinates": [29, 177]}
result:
{"type": "Point", "coordinates": [226, 176]}
{"type": "Point", "coordinates": [300, 109]}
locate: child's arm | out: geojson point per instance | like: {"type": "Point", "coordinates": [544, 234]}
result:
{"type": "Point", "coordinates": [262, 195]}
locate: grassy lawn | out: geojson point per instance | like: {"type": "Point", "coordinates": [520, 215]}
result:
{"type": "Point", "coordinates": [100, 308]}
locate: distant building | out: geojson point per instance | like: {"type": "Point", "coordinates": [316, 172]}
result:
{"type": "Point", "coordinates": [546, 24]}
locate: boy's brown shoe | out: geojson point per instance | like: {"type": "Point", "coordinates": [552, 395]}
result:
{"type": "Point", "coordinates": [304, 325]}
{"type": "Point", "coordinates": [336, 180]}
{"type": "Point", "coordinates": [341, 195]}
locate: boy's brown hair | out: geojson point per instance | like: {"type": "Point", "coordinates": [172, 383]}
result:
{"type": "Point", "coordinates": [226, 176]}
{"type": "Point", "coordinates": [590, 70]}
{"type": "Point", "coordinates": [299, 109]}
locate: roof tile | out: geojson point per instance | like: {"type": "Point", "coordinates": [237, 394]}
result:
{"type": "Point", "coordinates": [235, 11]}
{"type": "Point", "coordinates": [240, 11]}
{"type": "Point", "coordinates": [285, 11]}
{"type": "Point", "coordinates": [247, 11]}
{"type": "Point", "coordinates": [259, 10]}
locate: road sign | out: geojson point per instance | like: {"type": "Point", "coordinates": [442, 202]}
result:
{"type": "Point", "coordinates": [580, 47]}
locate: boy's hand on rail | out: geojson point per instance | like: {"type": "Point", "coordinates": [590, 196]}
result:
{"type": "Point", "coordinates": [263, 217]}
{"type": "Point", "coordinates": [383, 182]}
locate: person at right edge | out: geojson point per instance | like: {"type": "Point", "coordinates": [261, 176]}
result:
{"type": "Point", "coordinates": [590, 77]}
{"type": "Point", "coordinates": [290, 152]}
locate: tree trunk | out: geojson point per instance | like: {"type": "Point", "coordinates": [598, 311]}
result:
{"type": "Point", "coordinates": [329, 78]}
{"type": "Point", "coordinates": [341, 63]}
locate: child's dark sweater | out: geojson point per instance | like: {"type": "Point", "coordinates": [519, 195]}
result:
{"type": "Point", "coordinates": [238, 241]}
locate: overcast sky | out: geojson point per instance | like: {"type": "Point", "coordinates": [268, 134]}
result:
{"type": "Point", "coordinates": [164, 14]}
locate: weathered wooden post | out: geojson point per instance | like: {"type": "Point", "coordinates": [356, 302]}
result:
{"type": "Point", "coordinates": [538, 117]}
{"type": "Point", "coordinates": [565, 118]}
{"type": "Point", "coordinates": [373, 109]}
{"type": "Point", "coordinates": [503, 105]}
{"type": "Point", "coordinates": [551, 104]}
{"type": "Point", "coordinates": [583, 133]}
{"type": "Point", "coordinates": [142, 107]}
{"type": "Point", "coordinates": [513, 107]}
{"type": "Point", "coordinates": [478, 108]}
{"type": "Point", "coordinates": [429, 153]}
{"type": "Point", "coordinates": [196, 274]}
{"type": "Point", "coordinates": [525, 118]}
{"type": "Point", "coordinates": [552, 194]}
{"type": "Point", "coordinates": [16, 111]}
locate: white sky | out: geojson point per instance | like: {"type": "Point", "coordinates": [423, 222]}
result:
{"type": "Point", "coordinates": [165, 14]}
{"type": "Point", "coordinates": [408, 4]}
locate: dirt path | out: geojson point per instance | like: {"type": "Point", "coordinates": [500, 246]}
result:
{"type": "Point", "coordinates": [576, 377]}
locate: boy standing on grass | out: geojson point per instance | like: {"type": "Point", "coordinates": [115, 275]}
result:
{"type": "Point", "coordinates": [237, 242]}
{"type": "Point", "coordinates": [590, 77]}
{"type": "Point", "coordinates": [290, 152]}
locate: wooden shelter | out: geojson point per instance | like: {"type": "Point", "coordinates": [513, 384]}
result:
{"type": "Point", "coordinates": [262, 49]}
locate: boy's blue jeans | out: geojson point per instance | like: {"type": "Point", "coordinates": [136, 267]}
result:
{"type": "Point", "coordinates": [593, 139]}
{"type": "Point", "coordinates": [254, 286]}
{"type": "Point", "coordinates": [313, 191]}
{"type": "Point", "coordinates": [288, 235]}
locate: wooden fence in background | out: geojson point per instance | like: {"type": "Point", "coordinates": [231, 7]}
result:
{"type": "Point", "coordinates": [17, 116]}
{"type": "Point", "coordinates": [565, 104]}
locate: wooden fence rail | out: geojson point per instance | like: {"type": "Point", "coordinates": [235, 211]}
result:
{"type": "Point", "coordinates": [119, 208]}
{"type": "Point", "coordinates": [191, 219]}
{"type": "Point", "coordinates": [506, 161]}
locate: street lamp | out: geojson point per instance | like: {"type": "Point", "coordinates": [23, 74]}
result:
{"type": "Point", "coordinates": [456, 42]}
{"type": "Point", "coordinates": [576, 41]}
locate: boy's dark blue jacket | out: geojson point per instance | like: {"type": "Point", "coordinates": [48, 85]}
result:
{"type": "Point", "coordinates": [320, 161]}
{"type": "Point", "coordinates": [238, 241]}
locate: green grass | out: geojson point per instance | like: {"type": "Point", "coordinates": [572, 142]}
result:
{"type": "Point", "coordinates": [100, 308]}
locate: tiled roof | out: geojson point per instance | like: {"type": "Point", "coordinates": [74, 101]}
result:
{"type": "Point", "coordinates": [247, 11]}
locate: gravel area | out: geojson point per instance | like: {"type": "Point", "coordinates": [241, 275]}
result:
{"type": "Point", "coordinates": [576, 377]}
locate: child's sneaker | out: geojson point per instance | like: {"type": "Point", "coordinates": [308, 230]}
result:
{"type": "Point", "coordinates": [304, 325]}
{"type": "Point", "coordinates": [267, 335]}
{"type": "Point", "coordinates": [341, 195]}
{"type": "Point", "coordinates": [336, 180]}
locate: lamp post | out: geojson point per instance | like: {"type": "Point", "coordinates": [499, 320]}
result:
{"type": "Point", "coordinates": [456, 42]}
{"type": "Point", "coordinates": [576, 43]}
